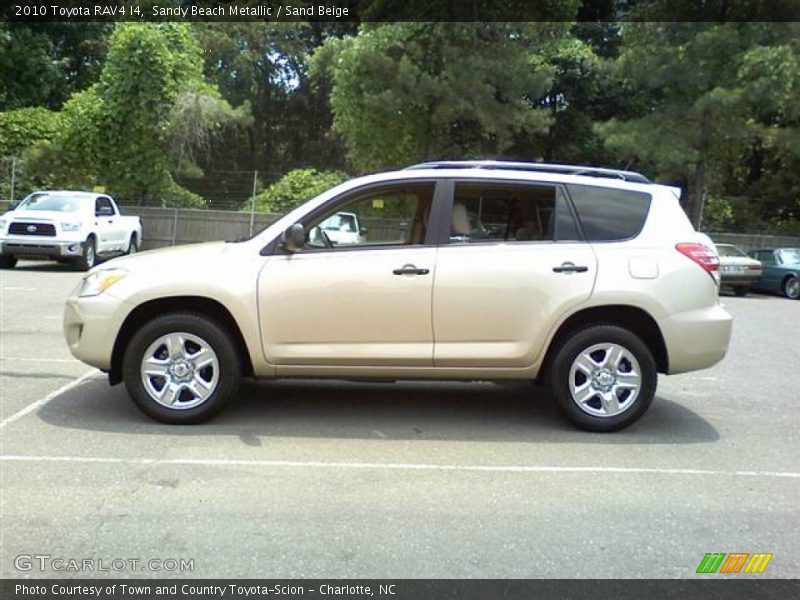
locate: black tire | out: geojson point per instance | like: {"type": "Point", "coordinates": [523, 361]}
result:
{"type": "Point", "coordinates": [133, 245]}
{"type": "Point", "coordinates": [740, 291]}
{"type": "Point", "coordinates": [8, 262]}
{"type": "Point", "coordinates": [791, 288]}
{"type": "Point", "coordinates": [210, 333]}
{"type": "Point", "coordinates": [88, 257]}
{"type": "Point", "coordinates": [584, 416]}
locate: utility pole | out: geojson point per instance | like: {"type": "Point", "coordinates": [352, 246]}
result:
{"type": "Point", "coordinates": [253, 203]}
{"type": "Point", "coordinates": [13, 177]}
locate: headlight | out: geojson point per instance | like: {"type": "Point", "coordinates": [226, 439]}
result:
{"type": "Point", "coordinates": [71, 226]}
{"type": "Point", "coordinates": [99, 281]}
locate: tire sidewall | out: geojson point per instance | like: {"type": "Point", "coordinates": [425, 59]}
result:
{"type": "Point", "coordinates": [577, 343]}
{"type": "Point", "coordinates": [82, 263]}
{"type": "Point", "coordinates": [786, 287]}
{"type": "Point", "coordinates": [209, 331]}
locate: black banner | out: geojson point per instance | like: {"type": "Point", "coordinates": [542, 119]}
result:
{"type": "Point", "coordinates": [399, 589]}
{"type": "Point", "coordinates": [396, 10]}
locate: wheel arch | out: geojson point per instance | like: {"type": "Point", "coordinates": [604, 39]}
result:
{"type": "Point", "coordinates": [635, 319]}
{"type": "Point", "coordinates": [146, 311]}
{"type": "Point", "coordinates": [785, 279]}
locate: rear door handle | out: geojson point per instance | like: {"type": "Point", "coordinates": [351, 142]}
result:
{"type": "Point", "coordinates": [569, 267]}
{"type": "Point", "coordinates": [410, 270]}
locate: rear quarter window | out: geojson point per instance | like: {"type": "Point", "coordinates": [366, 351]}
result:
{"type": "Point", "coordinates": [608, 214]}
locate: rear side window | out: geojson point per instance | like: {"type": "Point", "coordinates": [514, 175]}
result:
{"type": "Point", "coordinates": [486, 212]}
{"type": "Point", "coordinates": [609, 214]}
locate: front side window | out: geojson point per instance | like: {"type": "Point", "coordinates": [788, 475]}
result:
{"type": "Point", "coordinates": [387, 216]}
{"type": "Point", "coordinates": [484, 212]}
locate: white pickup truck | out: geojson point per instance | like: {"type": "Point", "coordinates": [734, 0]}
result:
{"type": "Point", "coordinates": [76, 227]}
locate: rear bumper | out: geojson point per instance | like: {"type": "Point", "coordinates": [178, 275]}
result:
{"type": "Point", "coordinates": [41, 247]}
{"type": "Point", "coordinates": [739, 279]}
{"type": "Point", "coordinates": [697, 339]}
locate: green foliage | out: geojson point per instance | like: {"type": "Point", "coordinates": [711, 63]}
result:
{"type": "Point", "coordinates": [717, 214]}
{"type": "Point", "coordinates": [296, 187]}
{"type": "Point", "coordinates": [407, 92]}
{"type": "Point", "coordinates": [41, 64]}
{"type": "Point", "coordinates": [148, 114]}
{"type": "Point", "coordinates": [22, 128]}
{"type": "Point", "coordinates": [711, 97]}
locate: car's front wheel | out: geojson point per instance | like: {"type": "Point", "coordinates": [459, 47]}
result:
{"type": "Point", "coordinates": [8, 262]}
{"type": "Point", "coordinates": [181, 368]}
{"type": "Point", "coordinates": [603, 378]}
{"type": "Point", "coordinates": [791, 288]}
{"type": "Point", "coordinates": [88, 257]}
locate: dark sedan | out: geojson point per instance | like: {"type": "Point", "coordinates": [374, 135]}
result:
{"type": "Point", "coordinates": [781, 271]}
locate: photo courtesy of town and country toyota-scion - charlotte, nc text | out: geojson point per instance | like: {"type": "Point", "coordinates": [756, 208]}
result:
{"type": "Point", "coordinates": [179, 12]}
{"type": "Point", "coordinates": [197, 590]}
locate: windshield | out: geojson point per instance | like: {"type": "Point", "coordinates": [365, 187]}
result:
{"type": "Point", "coordinates": [51, 202]}
{"type": "Point", "coordinates": [790, 256]}
{"type": "Point", "coordinates": [728, 250]}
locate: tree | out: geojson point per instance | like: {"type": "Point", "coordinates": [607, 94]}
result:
{"type": "Point", "coordinates": [41, 64]}
{"type": "Point", "coordinates": [296, 187]}
{"type": "Point", "coordinates": [407, 92]}
{"type": "Point", "coordinates": [709, 95]}
{"type": "Point", "coordinates": [145, 117]}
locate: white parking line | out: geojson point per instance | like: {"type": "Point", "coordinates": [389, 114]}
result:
{"type": "Point", "coordinates": [219, 462]}
{"type": "Point", "coordinates": [39, 403]}
{"type": "Point", "coordinates": [39, 360]}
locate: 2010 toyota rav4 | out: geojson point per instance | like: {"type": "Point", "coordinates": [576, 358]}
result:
{"type": "Point", "coordinates": [591, 280]}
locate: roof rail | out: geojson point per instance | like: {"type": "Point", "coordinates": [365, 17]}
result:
{"type": "Point", "coordinates": [535, 167]}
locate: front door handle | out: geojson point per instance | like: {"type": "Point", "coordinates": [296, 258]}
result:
{"type": "Point", "coordinates": [410, 270]}
{"type": "Point", "coordinates": [570, 267]}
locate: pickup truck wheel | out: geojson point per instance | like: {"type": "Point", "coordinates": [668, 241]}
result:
{"type": "Point", "coordinates": [603, 378]}
{"type": "Point", "coordinates": [133, 245]}
{"type": "Point", "coordinates": [181, 368]}
{"type": "Point", "coordinates": [791, 288]}
{"type": "Point", "coordinates": [89, 257]}
{"type": "Point", "coordinates": [8, 262]}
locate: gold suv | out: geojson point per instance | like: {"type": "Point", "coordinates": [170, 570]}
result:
{"type": "Point", "coordinates": [592, 280]}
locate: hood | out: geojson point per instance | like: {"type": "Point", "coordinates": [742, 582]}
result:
{"type": "Point", "coordinates": [43, 215]}
{"type": "Point", "coordinates": [185, 257]}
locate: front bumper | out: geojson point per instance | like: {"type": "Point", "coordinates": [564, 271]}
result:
{"type": "Point", "coordinates": [40, 247]}
{"type": "Point", "coordinates": [91, 326]}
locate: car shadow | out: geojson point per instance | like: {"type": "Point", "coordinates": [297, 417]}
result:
{"type": "Point", "coordinates": [445, 411]}
{"type": "Point", "coordinates": [45, 267]}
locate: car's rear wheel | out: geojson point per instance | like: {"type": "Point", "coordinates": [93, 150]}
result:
{"type": "Point", "coordinates": [133, 245]}
{"type": "Point", "coordinates": [8, 262]}
{"type": "Point", "coordinates": [603, 378]}
{"type": "Point", "coordinates": [181, 368]}
{"type": "Point", "coordinates": [791, 288]}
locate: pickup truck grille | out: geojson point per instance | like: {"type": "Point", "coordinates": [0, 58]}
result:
{"type": "Point", "coordinates": [18, 228]}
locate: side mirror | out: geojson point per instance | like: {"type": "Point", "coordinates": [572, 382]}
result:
{"type": "Point", "coordinates": [294, 238]}
{"type": "Point", "coordinates": [364, 230]}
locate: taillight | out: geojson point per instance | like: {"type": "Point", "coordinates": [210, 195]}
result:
{"type": "Point", "coordinates": [702, 255]}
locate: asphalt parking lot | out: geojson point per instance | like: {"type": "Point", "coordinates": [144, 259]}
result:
{"type": "Point", "coordinates": [441, 480]}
